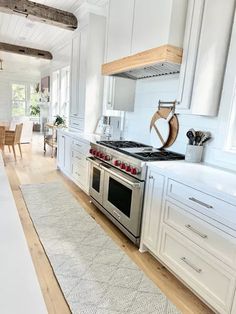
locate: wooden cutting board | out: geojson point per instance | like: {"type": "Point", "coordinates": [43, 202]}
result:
{"type": "Point", "coordinates": [174, 125]}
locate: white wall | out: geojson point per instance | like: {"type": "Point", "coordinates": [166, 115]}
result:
{"type": "Point", "coordinates": [6, 78]}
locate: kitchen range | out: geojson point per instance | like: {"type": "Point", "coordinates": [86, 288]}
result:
{"type": "Point", "coordinates": [117, 181]}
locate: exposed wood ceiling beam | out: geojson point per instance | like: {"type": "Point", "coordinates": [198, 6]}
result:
{"type": "Point", "coordinates": [39, 12]}
{"type": "Point", "coordinates": [26, 51]}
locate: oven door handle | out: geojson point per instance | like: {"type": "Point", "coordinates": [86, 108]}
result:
{"type": "Point", "coordinates": [135, 185]}
{"type": "Point", "coordinates": [93, 162]}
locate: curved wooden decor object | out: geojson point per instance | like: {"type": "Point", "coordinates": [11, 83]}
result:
{"type": "Point", "coordinates": [174, 124]}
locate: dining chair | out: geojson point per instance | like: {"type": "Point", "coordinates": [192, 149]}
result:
{"type": "Point", "coordinates": [2, 141]}
{"type": "Point", "coordinates": [12, 138]}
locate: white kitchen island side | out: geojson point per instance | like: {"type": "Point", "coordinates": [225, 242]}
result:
{"type": "Point", "coordinates": [19, 288]}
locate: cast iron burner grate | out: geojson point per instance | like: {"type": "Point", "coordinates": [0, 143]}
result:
{"type": "Point", "coordinates": [159, 155]}
{"type": "Point", "coordinates": [121, 144]}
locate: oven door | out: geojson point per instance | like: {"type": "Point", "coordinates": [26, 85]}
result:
{"type": "Point", "coordinates": [123, 198]}
{"type": "Point", "coordinates": [96, 180]}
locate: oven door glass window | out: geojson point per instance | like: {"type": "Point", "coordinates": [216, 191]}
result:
{"type": "Point", "coordinates": [120, 196]}
{"type": "Point", "coordinates": [96, 179]}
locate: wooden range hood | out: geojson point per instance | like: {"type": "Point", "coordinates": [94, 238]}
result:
{"type": "Point", "coordinates": [163, 60]}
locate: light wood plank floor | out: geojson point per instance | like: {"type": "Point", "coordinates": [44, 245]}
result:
{"type": "Point", "coordinates": [36, 168]}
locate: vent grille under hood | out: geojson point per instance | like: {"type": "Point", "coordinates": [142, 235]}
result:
{"type": "Point", "coordinates": [164, 60]}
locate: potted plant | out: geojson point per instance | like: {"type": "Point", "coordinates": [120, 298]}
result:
{"type": "Point", "coordinates": [35, 112]}
{"type": "Point", "coordinates": [60, 121]}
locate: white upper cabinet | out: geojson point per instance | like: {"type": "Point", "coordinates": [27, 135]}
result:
{"type": "Point", "coordinates": [74, 76]}
{"type": "Point", "coordinates": [119, 94]}
{"type": "Point", "coordinates": [119, 29]}
{"type": "Point", "coordinates": [157, 23]}
{"type": "Point", "coordinates": [217, 20]}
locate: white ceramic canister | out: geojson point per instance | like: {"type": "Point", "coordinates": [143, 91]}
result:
{"type": "Point", "coordinates": [193, 153]}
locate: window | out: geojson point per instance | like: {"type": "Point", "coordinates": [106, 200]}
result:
{"type": "Point", "coordinates": [55, 93]}
{"type": "Point", "coordinates": [19, 103]}
{"type": "Point", "coordinates": [24, 97]}
{"type": "Point", "coordinates": [61, 92]}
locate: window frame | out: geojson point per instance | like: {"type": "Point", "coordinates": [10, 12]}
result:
{"type": "Point", "coordinates": [27, 85]}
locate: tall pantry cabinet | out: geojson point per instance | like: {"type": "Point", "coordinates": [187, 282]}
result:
{"type": "Point", "coordinates": [86, 79]}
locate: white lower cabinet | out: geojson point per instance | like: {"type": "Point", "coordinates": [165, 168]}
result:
{"type": "Point", "coordinates": [211, 279]}
{"type": "Point", "coordinates": [152, 210]}
{"type": "Point", "coordinates": [71, 159]}
{"type": "Point", "coordinates": [193, 234]}
{"type": "Point", "coordinates": [64, 152]}
{"type": "Point", "coordinates": [79, 164]}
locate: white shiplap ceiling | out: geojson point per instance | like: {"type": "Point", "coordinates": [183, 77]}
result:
{"type": "Point", "coordinates": [19, 30]}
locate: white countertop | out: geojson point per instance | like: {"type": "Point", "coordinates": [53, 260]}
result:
{"type": "Point", "coordinates": [20, 290]}
{"type": "Point", "coordinates": [91, 138]}
{"type": "Point", "coordinates": [209, 179]}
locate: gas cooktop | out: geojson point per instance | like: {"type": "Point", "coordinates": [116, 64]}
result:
{"type": "Point", "coordinates": [142, 151]}
{"type": "Point", "coordinates": [121, 144]}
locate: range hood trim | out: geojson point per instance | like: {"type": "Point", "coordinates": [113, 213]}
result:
{"type": "Point", "coordinates": [165, 60]}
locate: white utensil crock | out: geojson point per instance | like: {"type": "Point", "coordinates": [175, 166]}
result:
{"type": "Point", "coordinates": [193, 153]}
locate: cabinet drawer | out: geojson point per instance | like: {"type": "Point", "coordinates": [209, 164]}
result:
{"type": "Point", "coordinates": [77, 123]}
{"type": "Point", "coordinates": [79, 159]}
{"type": "Point", "coordinates": [206, 235]}
{"type": "Point", "coordinates": [80, 146]}
{"type": "Point", "coordinates": [208, 205]}
{"type": "Point", "coordinates": [80, 174]}
{"type": "Point", "coordinates": [213, 281]}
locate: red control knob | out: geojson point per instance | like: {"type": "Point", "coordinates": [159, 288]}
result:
{"type": "Point", "coordinates": [117, 163]}
{"type": "Point", "coordinates": [134, 171]}
{"type": "Point", "coordinates": [91, 151]}
{"type": "Point", "coordinates": [97, 153]}
{"type": "Point", "coordinates": [101, 155]}
{"type": "Point", "coordinates": [94, 152]}
{"type": "Point", "coordinates": [128, 168]}
{"type": "Point", "coordinates": [122, 165]}
{"type": "Point", "coordinates": [107, 157]}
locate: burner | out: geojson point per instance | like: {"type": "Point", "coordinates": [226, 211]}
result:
{"type": "Point", "coordinates": [158, 155]}
{"type": "Point", "coordinates": [121, 144]}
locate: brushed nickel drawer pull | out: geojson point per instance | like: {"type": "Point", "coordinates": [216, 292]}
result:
{"type": "Point", "coordinates": [204, 236]}
{"type": "Point", "coordinates": [150, 177]}
{"type": "Point", "coordinates": [193, 199]}
{"type": "Point", "coordinates": [77, 174]}
{"type": "Point", "coordinates": [184, 259]}
{"type": "Point", "coordinates": [78, 145]}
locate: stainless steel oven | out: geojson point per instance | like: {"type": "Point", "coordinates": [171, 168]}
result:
{"type": "Point", "coordinates": [118, 195]}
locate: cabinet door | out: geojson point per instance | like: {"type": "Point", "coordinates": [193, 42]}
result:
{"type": "Point", "coordinates": [67, 154]}
{"type": "Point", "coordinates": [152, 210]}
{"type": "Point", "coordinates": [212, 53]}
{"type": "Point", "coordinates": [151, 28]}
{"type": "Point", "coordinates": [119, 29]}
{"type": "Point", "coordinates": [190, 48]}
{"type": "Point", "coordinates": [74, 76]}
{"type": "Point", "coordinates": [82, 71]}
{"type": "Point", "coordinates": [61, 151]}
{"type": "Point", "coordinates": [119, 94]}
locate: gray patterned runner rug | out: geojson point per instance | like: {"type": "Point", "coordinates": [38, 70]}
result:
{"type": "Point", "coordinates": [95, 275]}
